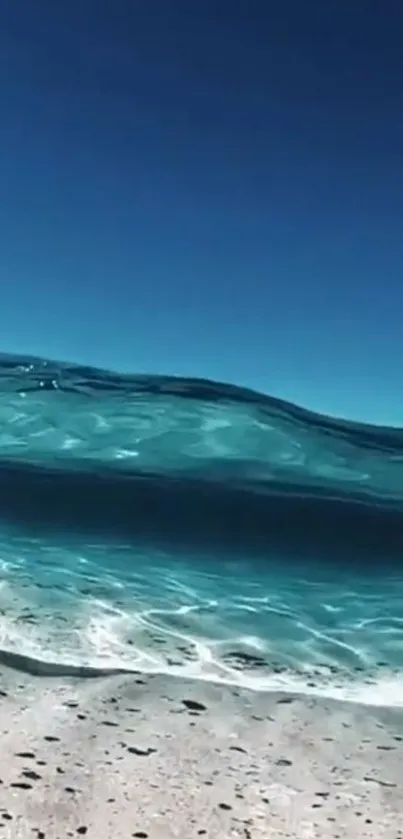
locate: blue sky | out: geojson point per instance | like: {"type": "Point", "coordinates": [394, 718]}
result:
{"type": "Point", "coordinates": [208, 188]}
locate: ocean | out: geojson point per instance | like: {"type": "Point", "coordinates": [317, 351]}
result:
{"type": "Point", "coordinates": [168, 525]}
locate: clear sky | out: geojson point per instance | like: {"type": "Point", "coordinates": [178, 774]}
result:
{"type": "Point", "coordinates": [208, 188]}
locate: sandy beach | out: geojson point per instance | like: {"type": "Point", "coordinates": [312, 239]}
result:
{"type": "Point", "coordinates": [154, 757]}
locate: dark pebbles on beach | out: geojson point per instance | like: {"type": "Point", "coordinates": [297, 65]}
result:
{"type": "Point", "coordinates": [134, 750]}
{"type": "Point", "coordinates": [143, 776]}
{"type": "Point", "coordinates": [193, 705]}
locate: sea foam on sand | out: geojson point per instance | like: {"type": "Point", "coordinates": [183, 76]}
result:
{"type": "Point", "coordinates": [153, 756]}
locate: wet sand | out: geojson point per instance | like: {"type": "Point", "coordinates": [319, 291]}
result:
{"type": "Point", "coordinates": [155, 757]}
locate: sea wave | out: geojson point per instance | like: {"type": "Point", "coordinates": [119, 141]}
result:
{"type": "Point", "coordinates": [234, 528]}
{"type": "Point", "coordinates": [165, 458]}
{"type": "Point", "coordinates": [62, 415]}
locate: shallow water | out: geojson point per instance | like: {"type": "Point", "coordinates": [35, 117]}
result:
{"type": "Point", "coordinates": [157, 524]}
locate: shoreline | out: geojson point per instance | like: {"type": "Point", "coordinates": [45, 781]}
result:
{"type": "Point", "coordinates": [382, 688]}
{"type": "Point", "coordinates": [155, 756]}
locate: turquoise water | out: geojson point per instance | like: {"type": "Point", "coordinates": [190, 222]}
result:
{"type": "Point", "coordinates": [184, 526]}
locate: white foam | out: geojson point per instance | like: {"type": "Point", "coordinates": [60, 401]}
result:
{"type": "Point", "coordinates": [100, 643]}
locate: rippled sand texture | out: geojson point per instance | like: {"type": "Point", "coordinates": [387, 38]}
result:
{"type": "Point", "coordinates": [197, 529]}
{"type": "Point", "coordinates": [153, 757]}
